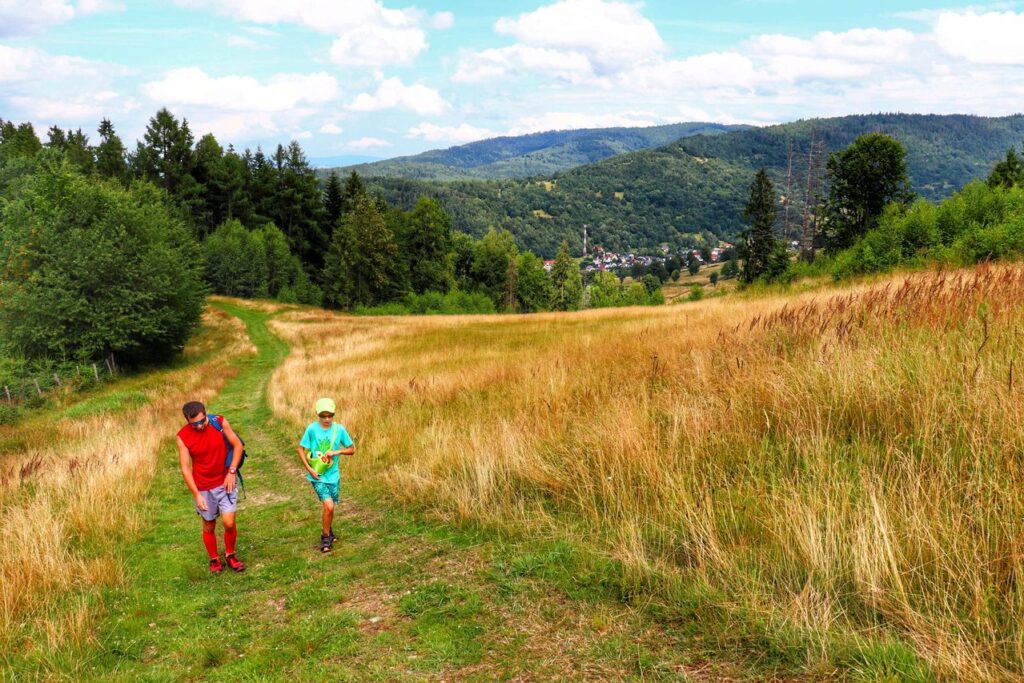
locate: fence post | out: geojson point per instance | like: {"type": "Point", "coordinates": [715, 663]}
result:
{"type": "Point", "coordinates": [8, 392]}
{"type": "Point", "coordinates": [56, 379]}
{"type": "Point", "coordinates": [38, 390]}
{"type": "Point", "coordinates": [96, 372]}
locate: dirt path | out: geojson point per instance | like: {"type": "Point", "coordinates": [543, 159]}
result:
{"type": "Point", "coordinates": [400, 598]}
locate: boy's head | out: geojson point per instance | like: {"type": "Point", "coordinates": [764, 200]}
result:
{"type": "Point", "coordinates": [325, 411]}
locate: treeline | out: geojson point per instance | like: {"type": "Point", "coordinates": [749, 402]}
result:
{"type": "Point", "coordinates": [388, 260]}
{"type": "Point", "coordinates": [870, 220]}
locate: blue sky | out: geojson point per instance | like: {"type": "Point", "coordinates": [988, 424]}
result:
{"type": "Point", "coordinates": [382, 78]}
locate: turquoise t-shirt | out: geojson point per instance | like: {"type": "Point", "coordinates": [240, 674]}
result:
{"type": "Point", "coordinates": [318, 440]}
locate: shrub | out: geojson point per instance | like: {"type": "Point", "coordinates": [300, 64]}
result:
{"type": "Point", "coordinates": [90, 269]}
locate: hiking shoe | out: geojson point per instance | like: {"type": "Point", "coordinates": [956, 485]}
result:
{"type": "Point", "coordinates": [332, 537]}
{"type": "Point", "coordinates": [215, 566]}
{"type": "Point", "coordinates": [235, 563]}
{"type": "Point", "coordinates": [326, 540]}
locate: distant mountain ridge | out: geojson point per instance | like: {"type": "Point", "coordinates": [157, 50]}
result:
{"type": "Point", "coordinates": [535, 154]}
{"type": "Point", "coordinates": [696, 187]}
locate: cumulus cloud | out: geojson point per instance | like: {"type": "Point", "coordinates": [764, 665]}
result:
{"type": "Point", "coordinates": [193, 86]}
{"type": "Point", "coordinates": [611, 34]}
{"type": "Point", "coordinates": [460, 134]}
{"type": "Point", "coordinates": [31, 64]}
{"type": "Point", "coordinates": [393, 94]}
{"type": "Point", "coordinates": [989, 38]}
{"type": "Point", "coordinates": [367, 34]}
{"type": "Point", "coordinates": [18, 18]}
{"type": "Point", "coordinates": [331, 129]}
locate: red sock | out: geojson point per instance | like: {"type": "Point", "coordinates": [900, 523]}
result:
{"type": "Point", "coordinates": [210, 541]}
{"type": "Point", "coordinates": [229, 540]}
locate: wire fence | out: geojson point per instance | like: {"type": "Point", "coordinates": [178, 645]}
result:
{"type": "Point", "coordinates": [29, 388]}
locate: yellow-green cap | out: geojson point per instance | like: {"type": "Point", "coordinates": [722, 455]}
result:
{"type": "Point", "coordinates": [324, 405]}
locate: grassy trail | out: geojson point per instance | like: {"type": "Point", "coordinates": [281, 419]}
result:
{"type": "Point", "coordinates": [398, 599]}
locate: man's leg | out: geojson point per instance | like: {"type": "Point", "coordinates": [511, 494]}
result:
{"type": "Point", "coordinates": [230, 532]}
{"type": "Point", "coordinates": [210, 538]}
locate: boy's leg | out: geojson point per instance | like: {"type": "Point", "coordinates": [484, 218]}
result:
{"type": "Point", "coordinates": [230, 532]}
{"type": "Point", "coordinates": [328, 515]}
{"type": "Point", "coordinates": [210, 538]}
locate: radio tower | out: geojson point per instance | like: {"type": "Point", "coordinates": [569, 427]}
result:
{"type": "Point", "coordinates": [584, 240]}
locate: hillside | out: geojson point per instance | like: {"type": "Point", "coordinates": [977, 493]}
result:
{"type": "Point", "coordinates": [695, 188]}
{"type": "Point", "coordinates": [536, 154]}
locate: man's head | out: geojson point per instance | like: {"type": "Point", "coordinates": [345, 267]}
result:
{"type": "Point", "coordinates": [325, 411]}
{"type": "Point", "coordinates": [195, 413]}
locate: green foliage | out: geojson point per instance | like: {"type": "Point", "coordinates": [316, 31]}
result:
{"type": "Point", "coordinates": [1009, 172]}
{"type": "Point", "coordinates": [427, 243]}
{"type": "Point", "coordinates": [90, 269]}
{"type": "Point", "coordinates": [713, 279]}
{"type": "Point", "coordinates": [533, 289]}
{"type": "Point", "coordinates": [764, 256]}
{"type": "Point", "coordinates": [862, 179]}
{"type": "Point", "coordinates": [979, 223]}
{"type": "Point", "coordinates": [696, 293]}
{"type": "Point", "coordinates": [566, 282]}
{"type": "Point", "coordinates": [255, 264]}
{"type": "Point", "coordinates": [362, 266]}
{"type": "Point", "coordinates": [453, 302]}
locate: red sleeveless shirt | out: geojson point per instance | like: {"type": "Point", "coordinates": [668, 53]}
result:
{"type": "Point", "coordinates": [209, 455]}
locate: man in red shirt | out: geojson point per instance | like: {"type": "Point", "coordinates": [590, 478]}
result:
{"type": "Point", "coordinates": [202, 454]}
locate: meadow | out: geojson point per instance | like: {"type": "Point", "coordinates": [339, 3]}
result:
{"type": "Point", "coordinates": [827, 482]}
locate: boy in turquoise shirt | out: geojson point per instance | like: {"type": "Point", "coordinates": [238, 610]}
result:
{"type": "Point", "coordinates": [321, 444]}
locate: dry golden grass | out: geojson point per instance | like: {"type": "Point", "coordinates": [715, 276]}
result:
{"type": "Point", "coordinates": [68, 488]}
{"type": "Point", "coordinates": [838, 467]}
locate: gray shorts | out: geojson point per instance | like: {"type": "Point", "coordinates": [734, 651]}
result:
{"type": "Point", "coordinates": [218, 500]}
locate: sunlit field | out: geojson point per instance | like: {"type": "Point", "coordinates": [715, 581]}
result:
{"type": "Point", "coordinates": [830, 481]}
{"type": "Point", "coordinates": [71, 479]}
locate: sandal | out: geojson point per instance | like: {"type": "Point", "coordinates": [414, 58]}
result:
{"type": "Point", "coordinates": [235, 563]}
{"type": "Point", "coordinates": [215, 566]}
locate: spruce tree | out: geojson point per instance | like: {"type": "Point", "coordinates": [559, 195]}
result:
{"type": "Point", "coordinates": [427, 245]}
{"type": "Point", "coordinates": [763, 255]}
{"type": "Point", "coordinates": [110, 154]}
{"type": "Point", "coordinates": [333, 199]}
{"type": "Point", "coordinates": [566, 281]}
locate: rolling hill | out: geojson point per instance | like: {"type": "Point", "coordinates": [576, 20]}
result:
{"type": "Point", "coordinates": [695, 188]}
{"type": "Point", "coordinates": [532, 155]}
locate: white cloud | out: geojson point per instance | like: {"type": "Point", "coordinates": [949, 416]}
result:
{"type": "Point", "coordinates": [461, 133]}
{"type": "Point", "coordinates": [39, 109]}
{"type": "Point", "coordinates": [442, 21]}
{"type": "Point", "coordinates": [304, 135]}
{"type": "Point", "coordinates": [520, 60]}
{"type": "Point", "coordinates": [367, 143]}
{"type": "Point", "coordinates": [393, 94]}
{"type": "Point", "coordinates": [368, 34]}
{"type": "Point", "coordinates": [611, 34]}
{"type": "Point", "coordinates": [242, 41]}
{"type": "Point", "coordinates": [31, 64]}
{"type": "Point", "coordinates": [989, 38]}
{"type": "Point", "coordinates": [18, 17]}
{"type": "Point", "coordinates": [331, 129]}
{"type": "Point", "coordinates": [283, 92]}
{"type": "Point", "coordinates": [561, 120]}
{"type": "Point", "coordinates": [374, 46]}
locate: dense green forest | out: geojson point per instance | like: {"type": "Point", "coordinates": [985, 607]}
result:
{"type": "Point", "coordinates": [537, 154]}
{"type": "Point", "coordinates": [692, 192]}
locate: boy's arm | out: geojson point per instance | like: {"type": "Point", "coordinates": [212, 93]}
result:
{"type": "Point", "coordinates": [350, 449]}
{"type": "Point", "coordinates": [185, 462]}
{"type": "Point", "coordinates": [304, 459]}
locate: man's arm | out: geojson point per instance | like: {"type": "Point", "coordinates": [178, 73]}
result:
{"type": "Point", "coordinates": [185, 462]}
{"type": "Point", "coordinates": [236, 454]}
